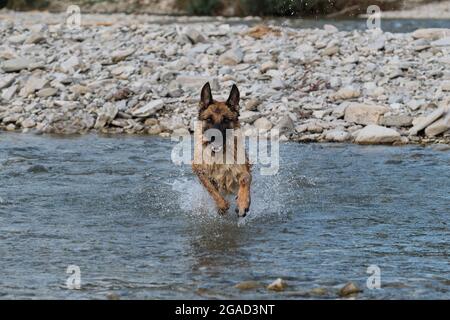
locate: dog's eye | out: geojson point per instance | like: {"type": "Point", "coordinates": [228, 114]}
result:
{"type": "Point", "coordinates": [209, 120]}
{"type": "Point", "coordinates": [226, 120]}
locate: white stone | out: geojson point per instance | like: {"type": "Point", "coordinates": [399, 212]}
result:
{"type": "Point", "coordinates": [431, 33]}
{"type": "Point", "coordinates": [18, 64]}
{"type": "Point", "coordinates": [232, 57]}
{"type": "Point", "coordinates": [429, 119]}
{"type": "Point", "coordinates": [150, 108]}
{"type": "Point", "coordinates": [438, 127]}
{"type": "Point", "coordinates": [374, 134]}
{"type": "Point", "coordinates": [263, 124]}
{"type": "Point", "coordinates": [70, 65]}
{"type": "Point", "coordinates": [248, 116]}
{"type": "Point", "coordinates": [337, 135]}
{"type": "Point", "coordinates": [364, 113]}
{"type": "Point", "coordinates": [444, 42]}
{"type": "Point", "coordinates": [346, 93]}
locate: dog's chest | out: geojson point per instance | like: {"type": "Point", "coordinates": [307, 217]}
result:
{"type": "Point", "coordinates": [226, 176]}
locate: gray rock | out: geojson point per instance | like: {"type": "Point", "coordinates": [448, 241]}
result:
{"type": "Point", "coordinates": [285, 125]}
{"type": "Point", "coordinates": [33, 84]}
{"type": "Point", "coordinates": [445, 86]}
{"type": "Point", "coordinates": [378, 43]}
{"type": "Point", "coordinates": [149, 109]}
{"type": "Point", "coordinates": [364, 113]}
{"type": "Point", "coordinates": [330, 28]}
{"type": "Point", "coordinates": [346, 93]}
{"type": "Point", "coordinates": [248, 116]}
{"type": "Point", "coordinates": [330, 51]}
{"type": "Point", "coordinates": [374, 134]}
{"type": "Point", "coordinates": [47, 92]}
{"type": "Point", "coordinates": [120, 55]}
{"type": "Point", "coordinates": [337, 135]}
{"type": "Point", "coordinates": [396, 121]}
{"type": "Point", "coordinates": [263, 124]}
{"type": "Point", "coordinates": [444, 42]}
{"type": "Point", "coordinates": [196, 82]}
{"type": "Point", "coordinates": [106, 114]}
{"type": "Point", "coordinates": [252, 104]}
{"type": "Point", "coordinates": [9, 93]}
{"type": "Point", "coordinates": [425, 122]}
{"type": "Point", "coordinates": [18, 64]}
{"type": "Point", "coordinates": [431, 33]}
{"type": "Point", "coordinates": [35, 38]}
{"type": "Point", "coordinates": [6, 80]}
{"type": "Point", "coordinates": [440, 126]}
{"type": "Point", "coordinates": [232, 57]}
{"type": "Point", "coordinates": [194, 35]}
{"type": "Point", "coordinates": [28, 123]}
{"type": "Point", "coordinates": [70, 65]}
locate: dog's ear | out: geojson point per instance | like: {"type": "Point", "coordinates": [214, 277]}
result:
{"type": "Point", "coordinates": [206, 96]}
{"type": "Point", "coordinates": [233, 99]}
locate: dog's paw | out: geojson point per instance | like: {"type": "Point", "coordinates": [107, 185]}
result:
{"type": "Point", "coordinates": [223, 207]}
{"type": "Point", "coordinates": [242, 212]}
{"type": "Point", "coordinates": [243, 206]}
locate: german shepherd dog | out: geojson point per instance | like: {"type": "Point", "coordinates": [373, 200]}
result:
{"type": "Point", "coordinates": [218, 177]}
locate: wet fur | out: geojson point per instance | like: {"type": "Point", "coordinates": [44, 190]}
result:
{"type": "Point", "coordinates": [222, 179]}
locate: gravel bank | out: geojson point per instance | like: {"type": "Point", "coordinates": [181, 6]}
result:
{"type": "Point", "coordinates": [127, 74]}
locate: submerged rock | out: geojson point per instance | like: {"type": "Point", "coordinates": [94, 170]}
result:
{"type": "Point", "coordinates": [349, 289]}
{"type": "Point", "coordinates": [248, 285]}
{"type": "Point", "coordinates": [277, 285]}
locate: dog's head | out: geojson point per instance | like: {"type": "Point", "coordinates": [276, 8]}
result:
{"type": "Point", "coordinates": [218, 115]}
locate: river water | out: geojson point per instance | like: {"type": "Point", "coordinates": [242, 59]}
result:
{"type": "Point", "coordinates": [139, 226]}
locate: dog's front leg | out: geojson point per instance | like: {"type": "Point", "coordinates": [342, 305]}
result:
{"type": "Point", "coordinates": [243, 196]}
{"type": "Point", "coordinates": [221, 203]}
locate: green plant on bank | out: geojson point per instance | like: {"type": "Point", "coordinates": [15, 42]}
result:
{"type": "Point", "coordinates": [279, 7]}
{"type": "Point", "coordinates": [199, 7]}
{"type": "Point", "coordinates": [24, 4]}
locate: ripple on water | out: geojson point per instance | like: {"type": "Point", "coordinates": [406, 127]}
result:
{"type": "Point", "coordinates": [144, 228]}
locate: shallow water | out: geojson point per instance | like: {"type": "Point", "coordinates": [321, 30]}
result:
{"type": "Point", "coordinates": [387, 25]}
{"type": "Point", "coordinates": [141, 227]}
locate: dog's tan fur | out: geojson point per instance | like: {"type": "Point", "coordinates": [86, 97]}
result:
{"type": "Point", "coordinates": [220, 178]}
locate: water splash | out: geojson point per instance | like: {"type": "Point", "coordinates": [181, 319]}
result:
{"type": "Point", "coordinates": [268, 198]}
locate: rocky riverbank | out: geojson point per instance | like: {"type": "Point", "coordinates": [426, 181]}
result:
{"type": "Point", "coordinates": [127, 74]}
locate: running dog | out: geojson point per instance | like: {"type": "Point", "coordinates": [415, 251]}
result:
{"type": "Point", "coordinates": [220, 177]}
